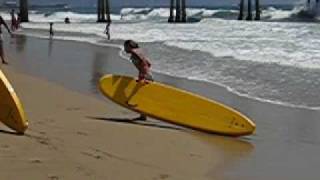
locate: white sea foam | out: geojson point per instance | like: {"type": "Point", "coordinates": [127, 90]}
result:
{"type": "Point", "coordinates": [253, 41]}
{"type": "Point", "coordinates": [289, 44]}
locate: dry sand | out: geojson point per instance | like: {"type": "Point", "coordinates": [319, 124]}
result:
{"type": "Point", "coordinates": [74, 136]}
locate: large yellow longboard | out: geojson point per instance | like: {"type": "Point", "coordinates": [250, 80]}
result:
{"type": "Point", "coordinates": [11, 110]}
{"type": "Point", "coordinates": [175, 106]}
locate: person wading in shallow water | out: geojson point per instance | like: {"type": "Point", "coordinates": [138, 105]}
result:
{"type": "Point", "coordinates": [14, 22]}
{"type": "Point", "coordinates": [107, 30]}
{"type": "Point", "coordinates": [141, 62]}
{"type": "Point", "coordinates": [51, 30]}
{"type": "Point", "coordinates": [2, 22]}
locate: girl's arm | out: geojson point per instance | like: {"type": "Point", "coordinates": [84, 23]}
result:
{"type": "Point", "coordinates": [142, 57]}
{"type": "Point", "coordinates": [5, 24]}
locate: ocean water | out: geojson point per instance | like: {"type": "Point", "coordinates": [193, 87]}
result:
{"type": "Point", "coordinates": [276, 59]}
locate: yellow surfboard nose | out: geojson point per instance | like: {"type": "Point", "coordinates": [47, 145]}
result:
{"type": "Point", "coordinates": [244, 126]}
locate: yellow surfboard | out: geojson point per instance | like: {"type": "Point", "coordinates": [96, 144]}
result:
{"type": "Point", "coordinates": [11, 110]}
{"type": "Point", "coordinates": [175, 106]}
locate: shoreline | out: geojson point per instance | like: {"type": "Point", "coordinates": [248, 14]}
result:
{"type": "Point", "coordinates": [191, 85]}
{"type": "Point", "coordinates": [117, 45]}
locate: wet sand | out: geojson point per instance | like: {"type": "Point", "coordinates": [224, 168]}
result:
{"type": "Point", "coordinates": [76, 133]}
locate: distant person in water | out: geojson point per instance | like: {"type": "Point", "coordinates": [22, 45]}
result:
{"type": "Point", "coordinates": [67, 20]}
{"type": "Point", "coordinates": [14, 23]}
{"type": "Point", "coordinates": [2, 22]}
{"type": "Point", "coordinates": [107, 30]}
{"type": "Point", "coordinates": [51, 30]}
{"type": "Point", "coordinates": [141, 62]}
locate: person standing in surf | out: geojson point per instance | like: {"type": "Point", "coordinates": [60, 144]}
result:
{"type": "Point", "coordinates": [2, 22]}
{"type": "Point", "coordinates": [14, 24]}
{"type": "Point", "coordinates": [51, 30]}
{"type": "Point", "coordinates": [141, 62]}
{"type": "Point", "coordinates": [18, 20]}
{"type": "Point", "coordinates": [107, 30]}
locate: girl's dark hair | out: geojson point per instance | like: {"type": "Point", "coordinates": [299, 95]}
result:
{"type": "Point", "coordinates": [130, 43]}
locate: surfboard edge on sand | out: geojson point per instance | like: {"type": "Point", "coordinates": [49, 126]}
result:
{"type": "Point", "coordinates": [251, 131]}
{"type": "Point", "coordinates": [21, 124]}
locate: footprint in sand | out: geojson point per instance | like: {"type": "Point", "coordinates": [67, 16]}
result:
{"type": "Point", "coordinates": [73, 109]}
{"type": "Point", "coordinates": [162, 176]}
{"type": "Point", "coordinates": [42, 140]}
{"type": "Point", "coordinates": [82, 133]}
{"type": "Point", "coordinates": [85, 171]}
{"type": "Point", "coordinates": [35, 161]}
{"type": "Point", "coordinates": [4, 146]}
{"type": "Point", "coordinates": [195, 155]}
{"type": "Point", "coordinates": [53, 177]}
{"type": "Point", "coordinates": [93, 155]}
{"type": "Point", "coordinates": [46, 120]}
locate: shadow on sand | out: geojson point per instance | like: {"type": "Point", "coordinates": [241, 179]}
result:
{"type": "Point", "coordinates": [10, 132]}
{"type": "Point", "coordinates": [136, 122]}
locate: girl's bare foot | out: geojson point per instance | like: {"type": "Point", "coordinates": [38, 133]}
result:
{"type": "Point", "coordinates": [140, 118]}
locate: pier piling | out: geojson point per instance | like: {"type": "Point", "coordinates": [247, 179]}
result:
{"type": "Point", "coordinates": [258, 11]}
{"type": "Point", "coordinates": [308, 4]}
{"type": "Point", "coordinates": [107, 7]}
{"type": "Point", "coordinates": [24, 15]}
{"type": "Point", "coordinates": [249, 8]}
{"type": "Point", "coordinates": [249, 15]}
{"type": "Point", "coordinates": [180, 9]}
{"type": "Point", "coordinates": [240, 17]}
{"type": "Point", "coordinates": [171, 11]}
{"type": "Point", "coordinates": [103, 11]}
{"type": "Point", "coordinates": [98, 10]}
{"type": "Point", "coordinates": [183, 11]}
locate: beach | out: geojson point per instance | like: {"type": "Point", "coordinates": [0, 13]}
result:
{"type": "Point", "coordinates": [78, 136]}
{"type": "Point", "coordinates": [75, 136]}
{"type": "Point", "coordinates": [76, 133]}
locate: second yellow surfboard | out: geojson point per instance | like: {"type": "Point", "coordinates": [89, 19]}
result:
{"type": "Point", "coordinates": [175, 106]}
{"type": "Point", "coordinates": [11, 110]}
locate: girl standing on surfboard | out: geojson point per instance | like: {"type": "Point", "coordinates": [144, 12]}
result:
{"type": "Point", "coordinates": [141, 62]}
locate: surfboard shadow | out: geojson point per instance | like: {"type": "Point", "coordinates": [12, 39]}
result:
{"type": "Point", "coordinates": [10, 132]}
{"type": "Point", "coordinates": [135, 122]}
